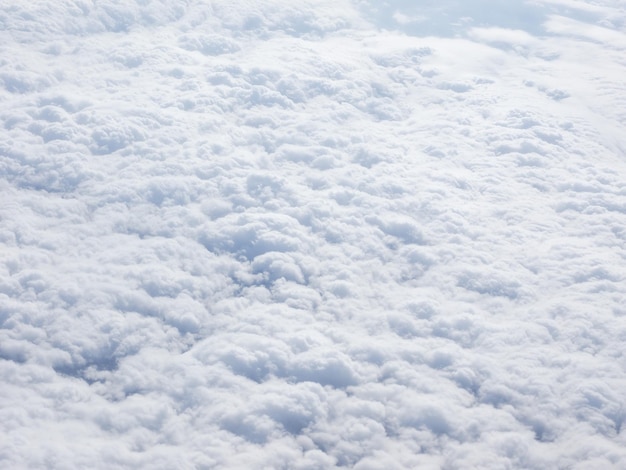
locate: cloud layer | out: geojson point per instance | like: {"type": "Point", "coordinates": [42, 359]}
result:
{"type": "Point", "coordinates": [330, 234]}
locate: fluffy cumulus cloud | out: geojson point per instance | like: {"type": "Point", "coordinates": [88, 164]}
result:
{"type": "Point", "coordinates": [311, 235]}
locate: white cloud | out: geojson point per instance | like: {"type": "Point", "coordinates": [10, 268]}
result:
{"type": "Point", "coordinates": [312, 235]}
{"type": "Point", "coordinates": [503, 36]}
{"type": "Point", "coordinates": [567, 26]}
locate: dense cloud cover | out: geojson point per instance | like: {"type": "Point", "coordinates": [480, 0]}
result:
{"type": "Point", "coordinates": [314, 234]}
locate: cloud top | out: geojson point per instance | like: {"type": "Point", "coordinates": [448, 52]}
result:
{"type": "Point", "coordinates": [331, 234]}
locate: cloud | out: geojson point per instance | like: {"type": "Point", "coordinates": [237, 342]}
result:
{"type": "Point", "coordinates": [331, 234]}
